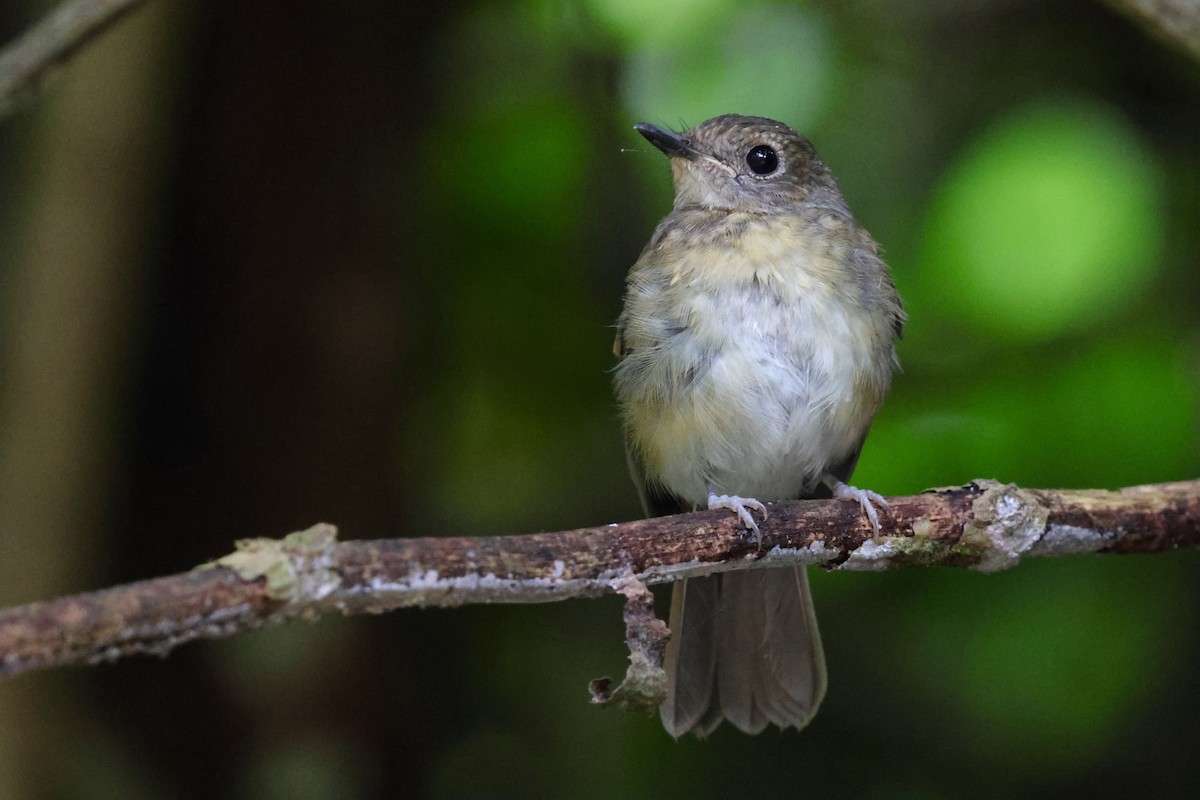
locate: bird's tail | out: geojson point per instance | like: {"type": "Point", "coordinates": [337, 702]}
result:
{"type": "Point", "coordinates": [744, 647]}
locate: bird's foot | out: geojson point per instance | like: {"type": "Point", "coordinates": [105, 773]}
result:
{"type": "Point", "coordinates": [742, 506]}
{"type": "Point", "coordinates": [867, 499]}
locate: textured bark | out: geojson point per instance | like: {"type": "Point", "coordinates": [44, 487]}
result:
{"type": "Point", "coordinates": [984, 525]}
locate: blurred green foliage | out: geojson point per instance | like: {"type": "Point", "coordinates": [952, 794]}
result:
{"type": "Point", "coordinates": [1044, 347]}
{"type": "Point", "coordinates": [1048, 223]}
{"type": "Point", "coordinates": [729, 54]}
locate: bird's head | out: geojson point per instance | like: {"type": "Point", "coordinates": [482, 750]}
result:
{"type": "Point", "coordinates": [742, 164]}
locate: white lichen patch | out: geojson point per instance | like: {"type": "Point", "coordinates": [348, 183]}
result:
{"type": "Point", "coordinates": [297, 568]}
{"type": "Point", "coordinates": [923, 528]}
{"type": "Point", "coordinates": [427, 587]}
{"type": "Point", "coordinates": [666, 573]}
{"type": "Point", "coordinates": [814, 553]}
{"type": "Point", "coordinates": [425, 579]}
{"type": "Point", "coordinates": [1069, 540]}
{"type": "Point", "coordinates": [1013, 522]}
{"type": "Point", "coordinates": [871, 556]}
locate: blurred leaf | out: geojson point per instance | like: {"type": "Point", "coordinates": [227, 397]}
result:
{"type": "Point", "coordinates": [763, 59]}
{"type": "Point", "coordinates": [1122, 412]}
{"type": "Point", "coordinates": [309, 767]}
{"type": "Point", "coordinates": [675, 22]}
{"type": "Point", "coordinates": [1042, 665]}
{"type": "Point", "coordinates": [526, 163]}
{"type": "Point", "coordinates": [1048, 223]}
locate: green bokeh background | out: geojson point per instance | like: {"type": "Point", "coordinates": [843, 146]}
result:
{"type": "Point", "coordinates": [370, 274]}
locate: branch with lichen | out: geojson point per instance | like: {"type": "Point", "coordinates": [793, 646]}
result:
{"type": "Point", "coordinates": [984, 525]}
{"type": "Point", "coordinates": [1176, 22]}
{"type": "Point", "coordinates": [26, 62]}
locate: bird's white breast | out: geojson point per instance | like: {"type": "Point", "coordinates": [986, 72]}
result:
{"type": "Point", "coordinates": [751, 370]}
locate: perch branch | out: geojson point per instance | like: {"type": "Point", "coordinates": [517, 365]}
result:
{"type": "Point", "coordinates": [58, 36]}
{"type": "Point", "coordinates": [1176, 22]}
{"type": "Point", "coordinates": [984, 525]}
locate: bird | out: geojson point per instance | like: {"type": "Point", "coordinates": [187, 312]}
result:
{"type": "Point", "coordinates": [756, 342]}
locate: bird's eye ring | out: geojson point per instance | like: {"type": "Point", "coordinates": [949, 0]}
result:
{"type": "Point", "coordinates": [762, 159]}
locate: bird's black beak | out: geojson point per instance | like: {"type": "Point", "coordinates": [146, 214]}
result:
{"type": "Point", "coordinates": [669, 142]}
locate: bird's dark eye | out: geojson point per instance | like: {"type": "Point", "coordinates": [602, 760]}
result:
{"type": "Point", "coordinates": [762, 160]}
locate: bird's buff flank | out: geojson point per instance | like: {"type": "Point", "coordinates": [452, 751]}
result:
{"type": "Point", "coordinates": [756, 344]}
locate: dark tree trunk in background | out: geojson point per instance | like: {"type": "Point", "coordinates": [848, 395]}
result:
{"type": "Point", "coordinates": [277, 342]}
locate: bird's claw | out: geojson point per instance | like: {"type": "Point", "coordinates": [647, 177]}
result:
{"type": "Point", "coordinates": [867, 500]}
{"type": "Point", "coordinates": [742, 506]}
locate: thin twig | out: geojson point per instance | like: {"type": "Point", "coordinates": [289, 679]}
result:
{"type": "Point", "coordinates": [984, 525]}
{"type": "Point", "coordinates": [26, 61]}
{"type": "Point", "coordinates": [1176, 22]}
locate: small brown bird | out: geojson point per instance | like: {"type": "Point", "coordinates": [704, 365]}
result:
{"type": "Point", "coordinates": [756, 344]}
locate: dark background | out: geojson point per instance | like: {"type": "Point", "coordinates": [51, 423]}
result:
{"type": "Point", "coordinates": [264, 264]}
